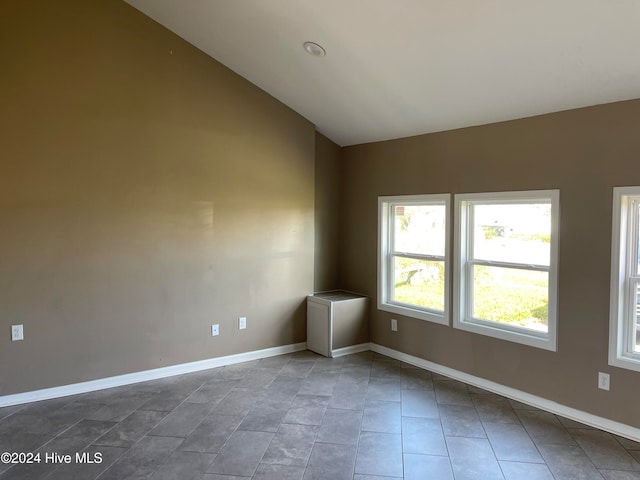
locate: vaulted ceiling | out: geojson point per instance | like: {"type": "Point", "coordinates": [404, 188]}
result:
{"type": "Point", "coordinates": [395, 68]}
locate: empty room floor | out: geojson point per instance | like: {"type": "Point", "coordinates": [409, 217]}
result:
{"type": "Point", "coordinates": [302, 416]}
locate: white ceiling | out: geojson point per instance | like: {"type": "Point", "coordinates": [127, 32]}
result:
{"type": "Point", "coordinates": [396, 68]}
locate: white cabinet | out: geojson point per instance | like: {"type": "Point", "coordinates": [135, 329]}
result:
{"type": "Point", "coordinates": [335, 320]}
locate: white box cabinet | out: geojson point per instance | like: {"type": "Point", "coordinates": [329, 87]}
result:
{"type": "Point", "coordinates": [335, 319]}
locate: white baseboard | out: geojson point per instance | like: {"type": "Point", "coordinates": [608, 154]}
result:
{"type": "Point", "coordinates": [601, 423]}
{"type": "Point", "coordinates": [361, 347]}
{"type": "Point", "coordinates": [146, 375]}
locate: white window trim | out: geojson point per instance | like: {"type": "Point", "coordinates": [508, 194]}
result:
{"type": "Point", "coordinates": [623, 255]}
{"type": "Point", "coordinates": [384, 209]}
{"type": "Point", "coordinates": [461, 318]}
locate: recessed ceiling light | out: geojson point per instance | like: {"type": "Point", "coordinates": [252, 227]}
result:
{"type": "Point", "coordinates": [314, 49]}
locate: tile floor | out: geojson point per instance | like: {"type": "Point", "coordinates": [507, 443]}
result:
{"type": "Point", "coordinates": [303, 416]}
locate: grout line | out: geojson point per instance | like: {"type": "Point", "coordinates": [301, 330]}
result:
{"type": "Point", "coordinates": [260, 392]}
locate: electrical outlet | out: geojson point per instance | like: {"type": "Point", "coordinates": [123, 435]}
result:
{"type": "Point", "coordinates": [603, 381]}
{"type": "Point", "coordinates": [215, 330]}
{"type": "Point", "coordinates": [242, 323]}
{"type": "Point", "coordinates": [394, 325]}
{"type": "Point", "coordinates": [17, 332]}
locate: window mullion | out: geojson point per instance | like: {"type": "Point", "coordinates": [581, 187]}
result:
{"type": "Point", "coordinates": [468, 267]}
{"type": "Point", "coordinates": [470, 233]}
{"type": "Point", "coordinates": [391, 240]}
{"type": "Point", "coordinates": [518, 266]}
{"type": "Point", "coordinates": [632, 240]}
{"type": "Point", "coordinates": [419, 256]}
{"type": "Point", "coordinates": [391, 247]}
{"type": "Point", "coordinates": [469, 286]}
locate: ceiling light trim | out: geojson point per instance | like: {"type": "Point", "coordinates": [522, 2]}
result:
{"type": "Point", "coordinates": [314, 49]}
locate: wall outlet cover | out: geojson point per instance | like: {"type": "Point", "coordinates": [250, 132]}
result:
{"type": "Point", "coordinates": [242, 323]}
{"type": "Point", "coordinates": [17, 332]}
{"type": "Point", "coordinates": [215, 330]}
{"type": "Point", "coordinates": [603, 381]}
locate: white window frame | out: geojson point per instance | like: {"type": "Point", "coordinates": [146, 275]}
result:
{"type": "Point", "coordinates": [624, 254]}
{"type": "Point", "coordinates": [462, 314]}
{"type": "Point", "coordinates": [385, 257]}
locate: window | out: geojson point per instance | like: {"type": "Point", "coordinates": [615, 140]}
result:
{"type": "Point", "coordinates": [413, 275]}
{"type": "Point", "coordinates": [624, 334]}
{"type": "Point", "coordinates": [506, 265]}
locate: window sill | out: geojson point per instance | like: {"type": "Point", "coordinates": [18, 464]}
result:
{"type": "Point", "coordinates": [407, 311]}
{"type": "Point", "coordinates": [628, 363]}
{"type": "Point", "coordinates": [545, 343]}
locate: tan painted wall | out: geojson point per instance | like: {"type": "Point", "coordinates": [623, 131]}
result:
{"type": "Point", "coordinates": [146, 192]}
{"type": "Point", "coordinates": [582, 152]}
{"type": "Point", "coordinates": [327, 211]}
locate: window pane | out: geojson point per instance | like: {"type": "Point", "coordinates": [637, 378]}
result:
{"type": "Point", "coordinates": [636, 321]}
{"type": "Point", "coordinates": [511, 296]}
{"type": "Point", "coordinates": [418, 282]}
{"type": "Point", "coordinates": [638, 240]}
{"type": "Point", "coordinates": [516, 233]}
{"type": "Point", "coordinates": [419, 229]}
